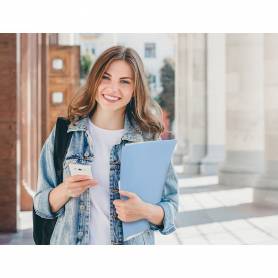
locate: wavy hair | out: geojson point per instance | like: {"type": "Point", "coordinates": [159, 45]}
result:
{"type": "Point", "coordinates": [145, 111]}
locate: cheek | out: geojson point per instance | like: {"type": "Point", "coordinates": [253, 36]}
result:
{"type": "Point", "coordinates": [128, 95]}
{"type": "Point", "coordinates": [99, 90]}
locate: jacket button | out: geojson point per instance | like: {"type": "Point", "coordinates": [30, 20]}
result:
{"type": "Point", "coordinates": [82, 207]}
{"type": "Point", "coordinates": [80, 234]}
{"type": "Point", "coordinates": [86, 154]}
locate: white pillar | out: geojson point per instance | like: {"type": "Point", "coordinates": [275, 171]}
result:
{"type": "Point", "coordinates": [244, 114]}
{"type": "Point", "coordinates": [216, 81]}
{"type": "Point", "coordinates": [196, 107]}
{"type": "Point", "coordinates": [183, 86]}
{"type": "Point", "coordinates": [266, 191]}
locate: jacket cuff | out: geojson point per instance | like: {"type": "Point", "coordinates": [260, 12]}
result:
{"type": "Point", "coordinates": [42, 207]}
{"type": "Point", "coordinates": [168, 225]}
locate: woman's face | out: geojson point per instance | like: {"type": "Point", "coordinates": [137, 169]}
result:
{"type": "Point", "coordinates": [116, 87]}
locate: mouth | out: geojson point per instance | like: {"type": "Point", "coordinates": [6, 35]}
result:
{"type": "Point", "coordinates": [111, 98]}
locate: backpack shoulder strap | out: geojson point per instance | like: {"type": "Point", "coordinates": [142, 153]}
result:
{"type": "Point", "coordinates": [61, 144]}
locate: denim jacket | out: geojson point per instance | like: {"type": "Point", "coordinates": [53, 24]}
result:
{"type": "Point", "coordinates": [73, 219]}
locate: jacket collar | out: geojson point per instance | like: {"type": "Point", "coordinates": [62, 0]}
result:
{"type": "Point", "coordinates": [132, 132]}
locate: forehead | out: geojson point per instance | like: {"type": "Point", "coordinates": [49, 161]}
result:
{"type": "Point", "coordinates": [120, 68]}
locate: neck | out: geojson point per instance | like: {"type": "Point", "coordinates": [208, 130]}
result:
{"type": "Point", "coordinates": [112, 120]}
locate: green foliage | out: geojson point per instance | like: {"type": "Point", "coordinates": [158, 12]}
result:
{"type": "Point", "coordinates": [166, 98]}
{"type": "Point", "coordinates": [85, 65]}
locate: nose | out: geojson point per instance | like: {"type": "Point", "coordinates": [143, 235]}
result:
{"type": "Point", "coordinates": [113, 86]}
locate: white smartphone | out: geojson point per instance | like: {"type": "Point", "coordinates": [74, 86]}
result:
{"type": "Point", "coordinates": [80, 169]}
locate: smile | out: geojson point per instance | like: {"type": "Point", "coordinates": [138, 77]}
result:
{"type": "Point", "coordinates": [111, 98]}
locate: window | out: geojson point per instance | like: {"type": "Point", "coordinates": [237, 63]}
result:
{"type": "Point", "coordinates": [93, 51]}
{"type": "Point", "coordinates": [149, 50]}
{"type": "Point", "coordinates": [57, 64]}
{"type": "Point", "coordinates": [57, 97]}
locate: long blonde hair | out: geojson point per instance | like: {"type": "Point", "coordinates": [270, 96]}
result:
{"type": "Point", "coordinates": [142, 108]}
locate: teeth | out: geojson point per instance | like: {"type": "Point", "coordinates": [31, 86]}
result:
{"type": "Point", "coordinates": [111, 98]}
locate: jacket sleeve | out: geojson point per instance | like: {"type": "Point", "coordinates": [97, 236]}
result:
{"type": "Point", "coordinates": [169, 203]}
{"type": "Point", "coordinates": [46, 180]}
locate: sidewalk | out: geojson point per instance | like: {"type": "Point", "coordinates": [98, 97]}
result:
{"type": "Point", "coordinates": [214, 214]}
{"type": "Point", "coordinates": [209, 214]}
{"type": "Point", "coordinates": [24, 235]}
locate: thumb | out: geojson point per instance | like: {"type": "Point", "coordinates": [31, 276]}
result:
{"type": "Point", "coordinates": [127, 194]}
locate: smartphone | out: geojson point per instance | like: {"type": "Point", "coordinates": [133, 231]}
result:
{"type": "Point", "coordinates": [80, 169]}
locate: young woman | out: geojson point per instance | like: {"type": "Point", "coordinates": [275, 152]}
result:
{"type": "Point", "coordinates": [114, 108]}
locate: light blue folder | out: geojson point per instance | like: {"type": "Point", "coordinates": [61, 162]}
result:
{"type": "Point", "coordinates": [144, 167]}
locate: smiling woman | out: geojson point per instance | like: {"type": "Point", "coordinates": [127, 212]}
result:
{"type": "Point", "coordinates": [113, 108]}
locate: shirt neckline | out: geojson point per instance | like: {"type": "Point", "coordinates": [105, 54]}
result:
{"type": "Point", "coordinates": [103, 130]}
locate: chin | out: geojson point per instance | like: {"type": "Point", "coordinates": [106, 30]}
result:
{"type": "Point", "coordinates": [112, 108]}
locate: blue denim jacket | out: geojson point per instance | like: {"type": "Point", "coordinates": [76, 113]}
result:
{"type": "Point", "coordinates": [72, 226]}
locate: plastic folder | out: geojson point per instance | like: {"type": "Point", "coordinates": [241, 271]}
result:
{"type": "Point", "coordinates": [144, 167]}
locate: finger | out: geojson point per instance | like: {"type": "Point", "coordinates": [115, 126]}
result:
{"type": "Point", "coordinates": [118, 207]}
{"type": "Point", "coordinates": [127, 194]}
{"type": "Point", "coordinates": [79, 177]}
{"type": "Point", "coordinates": [91, 183]}
{"type": "Point", "coordinates": [83, 184]}
{"type": "Point", "coordinates": [87, 183]}
{"type": "Point", "coordinates": [80, 184]}
{"type": "Point", "coordinates": [120, 212]}
{"type": "Point", "coordinates": [122, 218]}
{"type": "Point", "coordinates": [118, 203]}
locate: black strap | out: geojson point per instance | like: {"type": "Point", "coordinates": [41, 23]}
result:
{"type": "Point", "coordinates": [61, 144]}
{"type": "Point", "coordinates": [43, 228]}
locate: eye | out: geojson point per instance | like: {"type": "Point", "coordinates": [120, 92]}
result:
{"type": "Point", "coordinates": [105, 77]}
{"type": "Point", "coordinates": [125, 82]}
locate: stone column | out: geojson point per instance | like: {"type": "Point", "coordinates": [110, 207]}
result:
{"type": "Point", "coordinates": [31, 112]}
{"type": "Point", "coordinates": [266, 190]}
{"type": "Point", "coordinates": [183, 85]}
{"type": "Point", "coordinates": [244, 110]}
{"type": "Point", "coordinates": [196, 108]}
{"type": "Point", "coordinates": [215, 104]}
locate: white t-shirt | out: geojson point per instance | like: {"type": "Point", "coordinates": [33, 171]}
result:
{"type": "Point", "coordinates": [103, 141]}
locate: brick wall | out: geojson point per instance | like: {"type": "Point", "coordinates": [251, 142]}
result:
{"type": "Point", "coordinates": [7, 132]}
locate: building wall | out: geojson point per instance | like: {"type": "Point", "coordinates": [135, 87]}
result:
{"type": "Point", "coordinates": [8, 131]}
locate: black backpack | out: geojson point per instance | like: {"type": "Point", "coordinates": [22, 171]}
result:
{"type": "Point", "coordinates": [43, 228]}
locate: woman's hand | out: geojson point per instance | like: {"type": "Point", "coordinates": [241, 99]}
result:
{"type": "Point", "coordinates": [135, 209]}
{"type": "Point", "coordinates": [72, 186]}
{"type": "Point", "coordinates": [130, 210]}
{"type": "Point", "coordinates": [75, 185]}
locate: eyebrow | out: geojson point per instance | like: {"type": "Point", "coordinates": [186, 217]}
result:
{"type": "Point", "coordinates": [120, 78]}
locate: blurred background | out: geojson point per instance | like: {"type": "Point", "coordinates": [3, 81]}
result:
{"type": "Point", "coordinates": [219, 95]}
